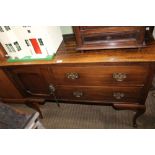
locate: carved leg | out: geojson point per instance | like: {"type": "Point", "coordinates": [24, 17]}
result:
{"type": "Point", "coordinates": [140, 109]}
{"type": "Point", "coordinates": [138, 114]}
{"type": "Point", "coordinates": [35, 106]}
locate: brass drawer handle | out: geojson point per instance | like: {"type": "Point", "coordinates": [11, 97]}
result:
{"type": "Point", "coordinates": [77, 94]}
{"type": "Point", "coordinates": [118, 95]}
{"type": "Point", "coordinates": [72, 75]}
{"type": "Point", "coordinates": [119, 76]}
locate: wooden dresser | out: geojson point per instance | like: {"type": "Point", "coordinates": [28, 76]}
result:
{"type": "Point", "coordinates": [120, 78]}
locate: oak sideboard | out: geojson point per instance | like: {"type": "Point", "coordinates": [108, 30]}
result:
{"type": "Point", "coordinates": [120, 78]}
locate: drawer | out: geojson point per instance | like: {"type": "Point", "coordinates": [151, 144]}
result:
{"type": "Point", "coordinates": [100, 75]}
{"type": "Point", "coordinates": [106, 93]}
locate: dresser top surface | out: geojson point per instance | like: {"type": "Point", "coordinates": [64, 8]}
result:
{"type": "Point", "coordinates": [67, 54]}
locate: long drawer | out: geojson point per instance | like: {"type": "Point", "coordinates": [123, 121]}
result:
{"type": "Point", "coordinates": [100, 75]}
{"type": "Point", "coordinates": [106, 93]}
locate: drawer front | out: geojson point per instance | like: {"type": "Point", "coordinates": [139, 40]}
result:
{"type": "Point", "coordinates": [109, 94]}
{"type": "Point", "coordinates": [99, 75]}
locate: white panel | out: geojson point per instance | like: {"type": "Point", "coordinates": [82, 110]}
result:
{"type": "Point", "coordinates": [7, 39]}
{"type": "Point", "coordinates": [51, 37]}
{"type": "Point", "coordinates": [20, 33]}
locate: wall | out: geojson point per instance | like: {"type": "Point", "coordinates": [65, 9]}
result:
{"type": "Point", "coordinates": [66, 29]}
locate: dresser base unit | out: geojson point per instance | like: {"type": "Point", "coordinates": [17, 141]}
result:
{"type": "Point", "coordinates": [120, 78]}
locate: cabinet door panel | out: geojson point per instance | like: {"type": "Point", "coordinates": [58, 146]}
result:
{"type": "Point", "coordinates": [7, 89]}
{"type": "Point", "coordinates": [32, 80]}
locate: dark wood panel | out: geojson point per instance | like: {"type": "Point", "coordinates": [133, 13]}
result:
{"type": "Point", "coordinates": [33, 81]}
{"type": "Point", "coordinates": [100, 75]}
{"type": "Point", "coordinates": [108, 29]}
{"type": "Point", "coordinates": [105, 93]}
{"type": "Point", "coordinates": [93, 45]}
{"type": "Point", "coordinates": [108, 37]}
{"type": "Point", "coordinates": [7, 89]}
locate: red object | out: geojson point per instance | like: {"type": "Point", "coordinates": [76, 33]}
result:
{"type": "Point", "coordinates": [36, 46]}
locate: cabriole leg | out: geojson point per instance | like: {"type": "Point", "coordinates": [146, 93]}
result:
{"type": "Point", "coordinates": [139, 108]}
{"type": "Point", "coordinates": [138, 114]}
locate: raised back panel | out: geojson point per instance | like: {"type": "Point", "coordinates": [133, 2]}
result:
{"type": "Point", "coordinates": [109, 37]}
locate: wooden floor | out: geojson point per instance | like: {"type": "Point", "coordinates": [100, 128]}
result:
{"type": "Point", "coordinates": [77, 116]}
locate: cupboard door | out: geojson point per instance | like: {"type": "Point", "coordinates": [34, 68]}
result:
{"type": "Point", "coordinates": [33, 81]}
{"type": "Point", "coordinates": [7, 88]}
